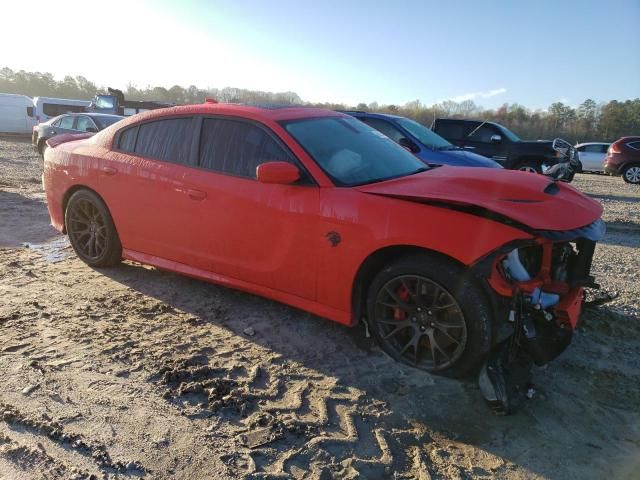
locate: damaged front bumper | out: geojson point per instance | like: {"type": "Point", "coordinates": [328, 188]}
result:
{"type": "Point", "coordinates": [540, 288]}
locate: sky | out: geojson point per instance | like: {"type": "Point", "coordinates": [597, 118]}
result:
{"type": "Point", "coordinates": [531, 52]}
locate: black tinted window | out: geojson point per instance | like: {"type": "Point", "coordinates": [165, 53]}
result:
{"type": "Point", "coordinates": [450, 131]}
{"type": "Point", "coordinates": [168, 140]}
{"type": "Point", "coordinates": [237, 147]}
{"type": "Point", "coordinates": [127, 139]}
{"type": "Point", "coordinates": [54, 109]}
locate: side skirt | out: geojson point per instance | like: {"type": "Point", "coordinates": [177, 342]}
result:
{"type": "Point", "coordinates": [283, 297]}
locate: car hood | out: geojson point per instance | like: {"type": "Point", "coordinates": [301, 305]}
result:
{"type": "Point", "coordinates": [529, 199]}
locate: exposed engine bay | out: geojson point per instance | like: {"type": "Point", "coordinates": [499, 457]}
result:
{"type": "Point", "coordinates": [542, 286]}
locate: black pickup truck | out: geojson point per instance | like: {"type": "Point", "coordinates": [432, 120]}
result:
{"type": "Point", "coordinates": [497, 142]}
{"type": "Point", "coordinates": [114, 103]}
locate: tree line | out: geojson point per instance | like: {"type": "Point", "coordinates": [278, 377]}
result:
{"type": "Point", "coordinates": [590, 121]}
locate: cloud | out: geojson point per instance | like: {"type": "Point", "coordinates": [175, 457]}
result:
{"type": "Point", "coordinates": [476, 95]}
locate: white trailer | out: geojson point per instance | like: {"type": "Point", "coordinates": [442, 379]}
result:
{"type": "Point", "coordinates": [17, 113]}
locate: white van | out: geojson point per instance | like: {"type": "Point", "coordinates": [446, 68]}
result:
{"type": "Point", "coordinates": [47, 107]}
{"type": "Point", "coordinates": [16, 113]}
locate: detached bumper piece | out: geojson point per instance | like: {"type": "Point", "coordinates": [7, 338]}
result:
{"type": "Point", "coordinates": [505, 378]}
{"type": "Point", "coordinates": [546, 289]}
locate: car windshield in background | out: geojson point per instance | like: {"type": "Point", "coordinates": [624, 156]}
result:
{"type": "Point", "coordinates": [105, 121]}
{"type": "Point", "coordinates": [350, 152]}
{"type": "Point", "coordinates": [427, 137]}
{"type": "Point", "coordinates": [509, 134]}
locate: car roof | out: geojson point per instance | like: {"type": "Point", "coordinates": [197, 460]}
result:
{"type": "Point", "coordinates": [358, 113]}
{"type": "Point", "coordinates": [592, 143]}
{"type": "Point", "coordinates": [265, 111]}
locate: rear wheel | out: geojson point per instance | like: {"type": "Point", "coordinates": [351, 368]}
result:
{"type": "Point", "coordinates": [529, 166]}
{"type": "Point", "coordinates": [426, 312]}
{"type": "Point", "coordinates": [91, 231]}
{"type": "Point", "coordinates": [631, 174]}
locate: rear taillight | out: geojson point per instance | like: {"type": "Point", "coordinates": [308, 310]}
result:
{"type": "Point", "coordinates": [614, 148]}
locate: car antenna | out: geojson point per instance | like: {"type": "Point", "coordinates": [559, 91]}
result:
{"type": "Point", "coordinates": [477, 128]}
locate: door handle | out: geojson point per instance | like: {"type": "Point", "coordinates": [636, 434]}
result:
{"type": "Point", "coordinates": [109, 171]}
{"type": "Point", "coordinates": [196, 194]}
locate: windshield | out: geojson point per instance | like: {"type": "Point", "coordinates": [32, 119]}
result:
{"type": "Point", "coordinates": [427, 137]}
{"type": "Point", "coordinates": [508, 133]}
{"type": "Point", "coordinates": [350, 152]}
{"type": "Point", "coordinates": [104, 122]}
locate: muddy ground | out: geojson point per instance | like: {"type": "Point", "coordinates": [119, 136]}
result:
{"type": "Point", "coordinates": [132, 372]}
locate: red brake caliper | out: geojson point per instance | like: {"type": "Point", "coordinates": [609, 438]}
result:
{"type": "Point", "coordinates": [403, 294]}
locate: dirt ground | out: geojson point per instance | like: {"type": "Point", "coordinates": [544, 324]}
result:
{"type": "Point", "coordinates": [132, 372]}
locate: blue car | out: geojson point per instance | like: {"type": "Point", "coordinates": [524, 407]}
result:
{"type": "Point", "coordinates": [427, 145]}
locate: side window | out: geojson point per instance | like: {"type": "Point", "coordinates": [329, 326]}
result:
{"type": "Point", "coordinates": [385, 127]}
{"type": "Point", "coordinates": [57, 123]}
{"type": "Point", "coordinates": [127, 140]}
{"type": "Point", "coordinates": [634, 145]}
{"type": "Point", "coordinates": [604, 148]}
{"type": "Point", "coordinates": [593, 148]}
{"type": "Point", "coordinates": [237, 147]}
{"type": "Point", "coordinates": [30, 111]}
{"type": "Point", "coordinates": [581, 149]}
{"type": "Point", "coordinates": [450, 131]}
{"type": "Point", "coordinates": [168, 140]}
{"type": "Point", "coordinates": [66, 122]}
{"type": "Point", "coordinates": [483, 134]}
{"type": "Point", "coordinates": [84, 123]}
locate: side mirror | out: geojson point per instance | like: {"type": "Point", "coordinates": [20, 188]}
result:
{"type": "Point", "coordinates": [496, 138]}
{"type": "Point", "coordinates": [277, 172]}
{"type": "Point", "coordinates": [91, 130]}
{"type": "Point", "coordinates": [409, 145]}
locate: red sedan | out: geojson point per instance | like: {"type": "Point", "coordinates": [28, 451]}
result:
{"type": "Point", "coordinates": [317, 210]}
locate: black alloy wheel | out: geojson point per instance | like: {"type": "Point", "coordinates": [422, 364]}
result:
{"type": "Point", "coordinates": [91, 230]}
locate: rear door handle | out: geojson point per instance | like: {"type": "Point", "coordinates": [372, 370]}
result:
{"type": "Point", "coordinates": [109, 170]}
{"type": "Point", "coordinates": [196, 194]}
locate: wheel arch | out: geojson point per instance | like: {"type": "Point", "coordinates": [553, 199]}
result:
{"type": "Point", "coordinates": [67, 195]}
{"type": "Point", "coordinates": [374, 262]}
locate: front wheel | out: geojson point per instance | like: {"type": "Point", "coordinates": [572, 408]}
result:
{"type": "Point", "coordinates": [631, 174]}
{"type": "Point", "coordinates": [91, 231]}
{"type": "Point", "coordinates": [427, 312]}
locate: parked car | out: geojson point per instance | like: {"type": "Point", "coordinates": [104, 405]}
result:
{"type": "Point", "coordinates": [497, 142]}
{"type": "Point", "coordinates": [318, 210]}
{"type": "Point", "coordinates": [71, 123]}
{"type": "Point", "coordinates": [427, 145]}
{"type": "Point", "coordinates": [591, 156]}
{"type": "Point", "coordinates": [48, 107]}
{"type": "Point", "coordinates": [623, 158]}
{"type": "Point", "coordinates": [16, 113]}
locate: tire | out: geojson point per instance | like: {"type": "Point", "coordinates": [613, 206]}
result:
{"type": "Point", "coordinates": [579, 168]}
{"type": "Point", "coordinates": [529, 166]}
{"type": "Point", "coordinates": [91, 231]}
{"type": "Point", "coordinates": [631, 174]}
{"type": "Point", "coordinates": [441, 294]}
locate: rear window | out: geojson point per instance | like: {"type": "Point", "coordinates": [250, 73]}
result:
{"type": "Point", "coordinates": [66, 122]}
{"type": "Point", "coordinates": [168, 140]}
{"type": "Point", "coordinates": [450, 131]}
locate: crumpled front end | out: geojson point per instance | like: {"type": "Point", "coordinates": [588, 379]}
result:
{"type": "Point", "coordinates": [540, 285]}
